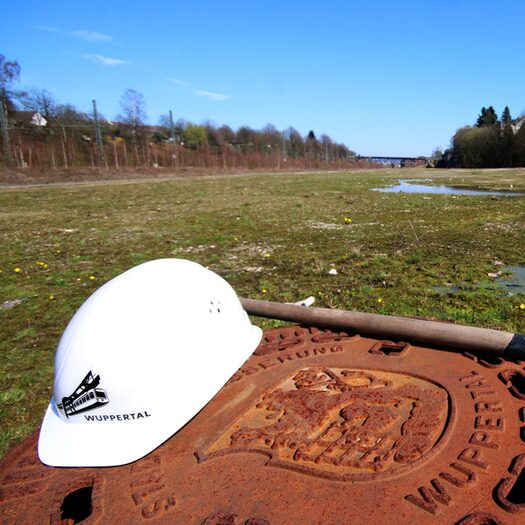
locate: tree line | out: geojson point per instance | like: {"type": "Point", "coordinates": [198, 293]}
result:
{"type": "Point", "coordinates": [38, 131]}
{"type": "Point", "coordinates": [491, 142]}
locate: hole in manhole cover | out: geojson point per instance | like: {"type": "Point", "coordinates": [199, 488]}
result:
{"type": "Point", "coordinates": [516, 494]}
{"type": "Point", "coordinates": [77, 505]}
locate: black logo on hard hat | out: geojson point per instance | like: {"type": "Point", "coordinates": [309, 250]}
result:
{"type": "Point", "coordinates": [85, 397]}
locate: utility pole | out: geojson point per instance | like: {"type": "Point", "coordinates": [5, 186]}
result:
{"type": "Point", "coordinates": [98, 135]}
{"type": "Point", "coordinates": [173, 140]}
{"type": "Point", "coordinates": [172, 127]}
{"type": "Point", "coordinates": [5, 133]}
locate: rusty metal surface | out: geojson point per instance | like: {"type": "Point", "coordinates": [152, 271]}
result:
{"type": "Point", "coordinates": [315, 428]}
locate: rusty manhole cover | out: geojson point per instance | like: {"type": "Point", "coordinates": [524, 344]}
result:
{"type": "Point", "coordinates": [316, 428]}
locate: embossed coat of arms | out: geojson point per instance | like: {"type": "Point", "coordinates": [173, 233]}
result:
{"type": "Point", "coordinates": [340, 423]}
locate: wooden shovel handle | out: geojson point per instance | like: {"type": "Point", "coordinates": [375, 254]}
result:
{"type": "Point", "coordinates": [435, 333]}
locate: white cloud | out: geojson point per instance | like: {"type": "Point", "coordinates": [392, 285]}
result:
{"type": "Point", "coordinates": [83, 34]}
{"type": "Point", "coordinates": [50, 29]}
{"type": "Point", "coordinates": [218, 97]}
{"type": "Point", "coordinates": [92, 36]}
{"type": "Point", "coordinates": [107, 61]}
{"type": "Point", "coordinates": [178, 82]}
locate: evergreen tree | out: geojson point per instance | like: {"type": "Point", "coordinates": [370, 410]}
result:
{"type": "Point", "coordinates": [505, 116]}
{"type": "Point", "coordinates": [488, 117]}
{"type": "Point", "coordinates": [481, 117]}
{"type": "Point", "coordinates": [507, 139]}
{"type": "Point", "coordinates": [312, 147]}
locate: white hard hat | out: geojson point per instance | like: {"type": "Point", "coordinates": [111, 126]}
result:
{"type": "Point", "coordinates": [139, 359]}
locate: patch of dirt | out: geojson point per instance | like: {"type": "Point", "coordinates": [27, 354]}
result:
{"type": "Point", "coordinates": [32, 178]}
{"type": "Point", "coordinates": [7, 305]}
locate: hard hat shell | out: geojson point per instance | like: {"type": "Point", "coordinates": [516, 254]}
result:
{"type": "Point", "coordinates": [139, 359]}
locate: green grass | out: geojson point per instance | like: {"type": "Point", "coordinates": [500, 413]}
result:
{"type": "Point", "coordinates": [271, 236]}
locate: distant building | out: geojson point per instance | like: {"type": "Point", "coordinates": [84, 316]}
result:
{"type": "Point", "coordinates": [38, 120]}
{"type": "Point", "coordinates": [27, 118]}
{"type": "Point", "coordinates": [517, 125]}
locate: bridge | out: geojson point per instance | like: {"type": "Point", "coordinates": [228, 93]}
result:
{"type": "Point", "coordinates": [398, 161]}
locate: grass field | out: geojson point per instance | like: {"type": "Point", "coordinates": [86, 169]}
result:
{"type": "Point", "coordinates": [271, 236]}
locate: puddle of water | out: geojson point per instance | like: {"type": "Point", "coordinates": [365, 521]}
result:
{"type": "Point", "coordinates": [511, 281]}
{"type": "Point", "coordinates": [446, 289]}
{"type": "Point", "coordinates": [406, 186]}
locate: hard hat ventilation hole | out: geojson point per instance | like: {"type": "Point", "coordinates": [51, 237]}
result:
{"type": "Point", "coordinates": [77, 505]}
{"type": "Point", "coordinates": [215, 307]}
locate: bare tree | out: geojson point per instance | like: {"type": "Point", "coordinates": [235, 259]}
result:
{"type": "Point", "coordinates": [226, 135]}
{"type": "Point", "coordinates": [69, 115]}
{"type": "Point", "coordinates": [9, 72]}
{"type": "Point", "coordinates": [165, 121]}
{"type": "Point", "coordinates": [294, 143]}
{"type": "Point", "coordinates": [134, 114]}
{"type": "Point", "coordinates": [174, 130]}
{"type": "Point", "coordinates": [41, 101]}
{"type": "Point", "coordinates": [133, 108]}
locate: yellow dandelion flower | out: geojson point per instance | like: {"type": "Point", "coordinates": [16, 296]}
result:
{"type": "Point", "coordinates": [92, 278]}
{"type": "Point", "coordinates": [51, 297]}
{"type": "Point", "coordinates": [380, 300]}
{"type": "Point", "coordinates": [347, 220]}
{"type": "Point", "coordinates": [522, 306]}
{"type": "Point", "coordinates": [17, 270]}
{"type": "Point", "coordinates": [264, 290]}
{"type": "Point", "coordinates": [45, 266]}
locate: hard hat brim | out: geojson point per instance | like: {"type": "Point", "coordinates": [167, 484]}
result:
{"type": "Point", "coordinates": [65, 444]}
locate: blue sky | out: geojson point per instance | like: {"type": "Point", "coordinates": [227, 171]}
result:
{"type": "Point", "coordinates": [385, 77]}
